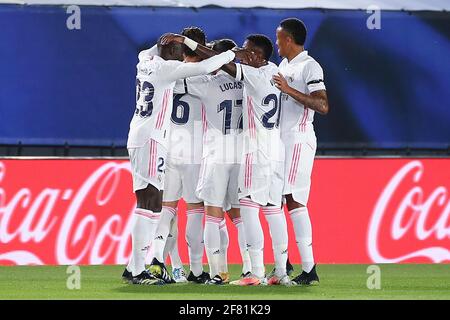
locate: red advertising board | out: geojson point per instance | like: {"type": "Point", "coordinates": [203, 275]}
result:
{"type": "Point", "coordinates": [362, 211]}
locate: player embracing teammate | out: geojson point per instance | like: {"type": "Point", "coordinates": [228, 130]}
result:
{"type": "Point", "coordinates": [221, 100]}
{"type": "Point", "coordinates": [274, 109]}
{"type": "Point", "coordinates": [260, 182]}
{"type": "Point", "coordinates": [157, 71]}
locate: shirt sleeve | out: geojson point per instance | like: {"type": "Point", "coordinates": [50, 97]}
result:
{"type": "Point", "coordinates": [250, 76]}
{"type": "Point", "coordinates": [180, 87]}
{"type": "Point", "coordinates": [313, 76]}
{"type": "Point", "coordinates": [174, 71]}
{"type": "Point", "coordinates": [153, 51]}
{"type": "Point", "coordinates": [197, 86]}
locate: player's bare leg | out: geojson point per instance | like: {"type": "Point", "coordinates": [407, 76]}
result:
{"type": "Point", "coordinates": [303, 236]}
{"type": "Point", "coordinates": [214, 215]}
{"type": "Point", "coordinates": [146, 218]}
{"type": "Point", "coordinates": [235, 216]}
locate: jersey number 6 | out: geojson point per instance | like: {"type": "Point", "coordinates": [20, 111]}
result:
{"type": "Point", "coordinates": [180, 110]}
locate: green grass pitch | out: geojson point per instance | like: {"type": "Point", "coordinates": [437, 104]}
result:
{"type": "Point", "coordinates": [407, 281]}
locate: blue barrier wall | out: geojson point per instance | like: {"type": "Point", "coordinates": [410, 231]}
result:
{"type": "Point", "coordinates": [387, 88]}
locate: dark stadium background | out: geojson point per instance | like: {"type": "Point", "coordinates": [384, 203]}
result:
{"type": "Point", "coordinates": [71, 92]}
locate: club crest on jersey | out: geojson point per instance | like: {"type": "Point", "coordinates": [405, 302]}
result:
{"type": "Point", "coordinates": [145, 69]}
{"type": "Point", "coordinates": [284, 96]}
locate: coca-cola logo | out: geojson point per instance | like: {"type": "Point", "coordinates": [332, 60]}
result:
{"type": "Point", "coordinates": [79, 212]}
{"type": "Point", "coordinates": [62, 225]}
{"type": "Point", "coordinates": [408, 221]}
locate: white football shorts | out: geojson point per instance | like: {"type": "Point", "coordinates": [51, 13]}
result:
{"type": "Point", "coordinates": [181, 181]}
{"type": "Point", "coordinates": [148, 165]}
{"type": "Point", "coordinates": [218, 185]}
{"type": "Point", "coordinates": [261, 179]}
{"type": "Point", "coordinates": [299, 160]}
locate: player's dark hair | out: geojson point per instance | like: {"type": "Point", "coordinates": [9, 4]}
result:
{"type": "Point", "coordinates": [171, 51]}
{"type": "Point", "coordinates": [296, 29]}
{"type": "Point", "coordinates": [223, 45]}
{"type": "Point", "coordinates": [196, 34]}
{"type": "Point", "coordinates": [263, 42]}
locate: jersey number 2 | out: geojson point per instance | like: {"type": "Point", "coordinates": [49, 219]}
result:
{"type": "Point", "coordinates": [269, 114]}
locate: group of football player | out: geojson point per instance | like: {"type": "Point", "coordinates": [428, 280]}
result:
{"type": "Point", "coordinates": [231, 133]}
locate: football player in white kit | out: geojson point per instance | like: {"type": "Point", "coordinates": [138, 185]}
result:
{"type": "Point", "coordinates": [302, 83]}
{"type": "Point", "coordinates": [157, 72]}
{"type": "Point", "coordinates": [262, 166]}
{"type": "Point", "coordinates": [218, 182]}
{"type": "Point", "coordinates": [182, 171]}
{"type": "Point", "coordinates": [262, 163]}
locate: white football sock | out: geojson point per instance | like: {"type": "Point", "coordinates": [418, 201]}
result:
{"type": "Point", "coordinates": [212, 243]}
{"type": "Point", "coordinates": [224, 243]}
{"type": "Point", "coordinates": [169, 243]}
{"type": "Point", "coordinates": [246, 264]}
{"type": "Point", "coordinates": [168, 246]}
{"type": "Point", "coordinates": [172, 245]}
{"type": "Point", "coordinates": [278, 230]}
{"type": "Point", "coordinates": [194, 239]}
{"type": "Point", "coordinates": [162, 231]}
{"type": "Point", "coordinates": [254, 235]}
{"type": "Point", "coordinates": [303, 236]}
{"type": "Point", "coordinates": [144, 225]}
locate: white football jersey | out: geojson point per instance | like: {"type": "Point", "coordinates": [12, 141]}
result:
{"type": "Point", "coordinates": [261, 110]}
{"type": "Point", "coordinates": [305, 75]}
{"type": "Point", "coordinates": [221, 97]}
{"type": "Point", "coordinates": [155, 81]}
{"type": "Point", "coordinates": [186, 128]}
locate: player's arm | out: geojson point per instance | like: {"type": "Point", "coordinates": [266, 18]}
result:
{"type": "Point", "coordinates": [317, 100]}
{"type": "Point", "coordinates": [180, 87]}
{"type": "Point", "coordinates": [197, 86]}
{"type": "Point", "coordinates": [236, 70]}
{"type": "Point", "coordinates": [233, 69]}
{"type": "Point", "coordinates": [207, 53]}
{"type": "Point", "coordinates": [153, 51]}
{"type": "Point", "coordinates": [179, 70]}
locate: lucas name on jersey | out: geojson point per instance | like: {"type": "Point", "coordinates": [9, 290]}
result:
{"type": "Point", "coordinates": [237, 85]}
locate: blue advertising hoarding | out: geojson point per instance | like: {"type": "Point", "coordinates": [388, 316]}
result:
{"type": "Point", "coordinates": [387, 87]}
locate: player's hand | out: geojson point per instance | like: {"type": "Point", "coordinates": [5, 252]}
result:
{"type": "Point", "coordinates": [244, 55]}
{"type": "Point", "coordinates": [171, 37]}
{"type": "Point", "coordinates": [258, 62]}
{"type": "Point", "coordinates": [281, 83]}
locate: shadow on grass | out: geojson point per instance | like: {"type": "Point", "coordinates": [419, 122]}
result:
{"type": "Point", "coordinates": [187, 290]}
